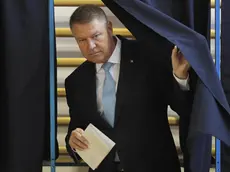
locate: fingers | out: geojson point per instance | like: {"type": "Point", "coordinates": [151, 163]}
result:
{"type": "Point", "coordinates": [179, 62]}
{"type": "Point", "coordinates": [177, 55]}
{"type": "Point", "coordinates": [174, 51]}
{"type": "Point", "coordinates": [177, 49]}
{"type": "Point", "coordinates": [75, 146]}
{"type": "Point", "coordinates": [77, 140]}
{"type": "Point", "coordinates": [79, 134]}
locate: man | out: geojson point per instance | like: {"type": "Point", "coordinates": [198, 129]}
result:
{"type": "Point", "coordinates": [128, 102]}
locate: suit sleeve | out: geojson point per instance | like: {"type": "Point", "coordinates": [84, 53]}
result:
{"type": "Point", "coordinates": [74, 122]}
{"type": "Point", "coordinates": [179, 100]}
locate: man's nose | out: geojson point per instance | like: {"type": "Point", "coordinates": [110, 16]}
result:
{"type": "Point", "coordinates": [91, 44]}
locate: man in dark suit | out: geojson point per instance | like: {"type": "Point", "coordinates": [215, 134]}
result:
{"type": "Point", "coordinates": [128, 100]}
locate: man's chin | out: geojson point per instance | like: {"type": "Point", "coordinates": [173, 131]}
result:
{"type": "Point", "coordinates": [99, 60]}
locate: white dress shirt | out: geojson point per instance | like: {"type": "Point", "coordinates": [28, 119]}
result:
{"type": "Point", "coordinates": [115, 70]}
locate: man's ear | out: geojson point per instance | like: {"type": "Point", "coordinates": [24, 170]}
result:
{"type": "Point", "coordinates": [110, 27]}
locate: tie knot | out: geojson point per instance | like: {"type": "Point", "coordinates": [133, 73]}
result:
{"type": "Point", "coordinates": [106, 66]}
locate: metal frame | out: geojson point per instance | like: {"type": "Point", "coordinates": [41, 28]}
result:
{"type": "Point", "coordinates": [53, 73]}
{"type": "Point", "coordinates": [52, 84]}
{"type": "Point", "coordinates": [217, 63]}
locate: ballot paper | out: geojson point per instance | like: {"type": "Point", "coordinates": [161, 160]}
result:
{"type": "Point", "coordinates": [99, 147]}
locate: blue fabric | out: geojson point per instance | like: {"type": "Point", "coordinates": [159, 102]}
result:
{"type": "Point", "coordinates": [210, 114]}
{"type": "Point", "coordinates": [196, 50]}
{"type": "Point", "coordinates": [24, 93]}
{"type": "Point", "coordinates": [109, 95]}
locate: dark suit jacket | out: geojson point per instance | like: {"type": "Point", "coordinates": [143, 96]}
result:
{"type": "Point", "coordinates": [145, 89]}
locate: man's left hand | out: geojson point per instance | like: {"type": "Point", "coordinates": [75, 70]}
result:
{"type": "Point", "coordinates": [180, 64]}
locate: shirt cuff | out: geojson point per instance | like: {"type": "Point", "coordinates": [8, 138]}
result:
{"type": "Point", "coordinates": [183, 83]}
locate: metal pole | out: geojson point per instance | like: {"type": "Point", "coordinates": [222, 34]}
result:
{"type": "Point", "coordinates": [52, 85]}
{"type": "Point", "coordinates": [217, 63]}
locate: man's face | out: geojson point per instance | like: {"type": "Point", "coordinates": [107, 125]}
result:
{"type": "Point", "coordinates": [95, 40]}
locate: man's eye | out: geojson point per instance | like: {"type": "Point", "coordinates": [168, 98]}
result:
{"type": "Point", "coordinates": [97, 35]}
{"type": "Point", "coordinates": [80, 40]}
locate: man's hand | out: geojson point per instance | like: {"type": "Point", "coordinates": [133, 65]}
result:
{"type": "Point", "coordinates": [180, 64]}
{"type": "Point", "coordinates": [77, 140]}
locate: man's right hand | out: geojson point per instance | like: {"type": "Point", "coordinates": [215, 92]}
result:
{"type": "Point", "coordinates": [77, 140]}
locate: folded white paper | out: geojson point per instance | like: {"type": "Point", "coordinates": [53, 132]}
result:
{"type": "Point", "coordinates": [99, 146]}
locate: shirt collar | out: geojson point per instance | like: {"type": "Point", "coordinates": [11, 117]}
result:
{"type": "Point", "coordinates": [115, 57]}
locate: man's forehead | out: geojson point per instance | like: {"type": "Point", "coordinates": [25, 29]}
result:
{"type": "Point", "coordinates": [92, 24]}
{"type": "Point", "coordinates": [88, 29]}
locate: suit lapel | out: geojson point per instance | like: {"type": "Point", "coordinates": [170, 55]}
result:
{"type": "Point", "coordinates": [90, 88]}
{"type": "Point", "coordinates": [90, 85]}
{"type": "Point", "coordinates": [126, 74]}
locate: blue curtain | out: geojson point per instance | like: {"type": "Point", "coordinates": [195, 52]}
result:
{"type": "Point", "coordinates": [174, 22]}
{"type": "Point", "coordinates": [24, 93]}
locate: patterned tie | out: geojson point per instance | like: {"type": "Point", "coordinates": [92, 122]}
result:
{"type": "Point", "coordinates": [108, 95]}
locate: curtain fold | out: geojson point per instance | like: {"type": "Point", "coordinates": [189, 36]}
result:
{"type": "Point", "coordinates": [25, 85]}
{"type": "Point", "coordinates": [181, 23]}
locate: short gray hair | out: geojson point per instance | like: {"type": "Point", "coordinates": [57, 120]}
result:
{"type": "Point", "coordinates": [87, 13]}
